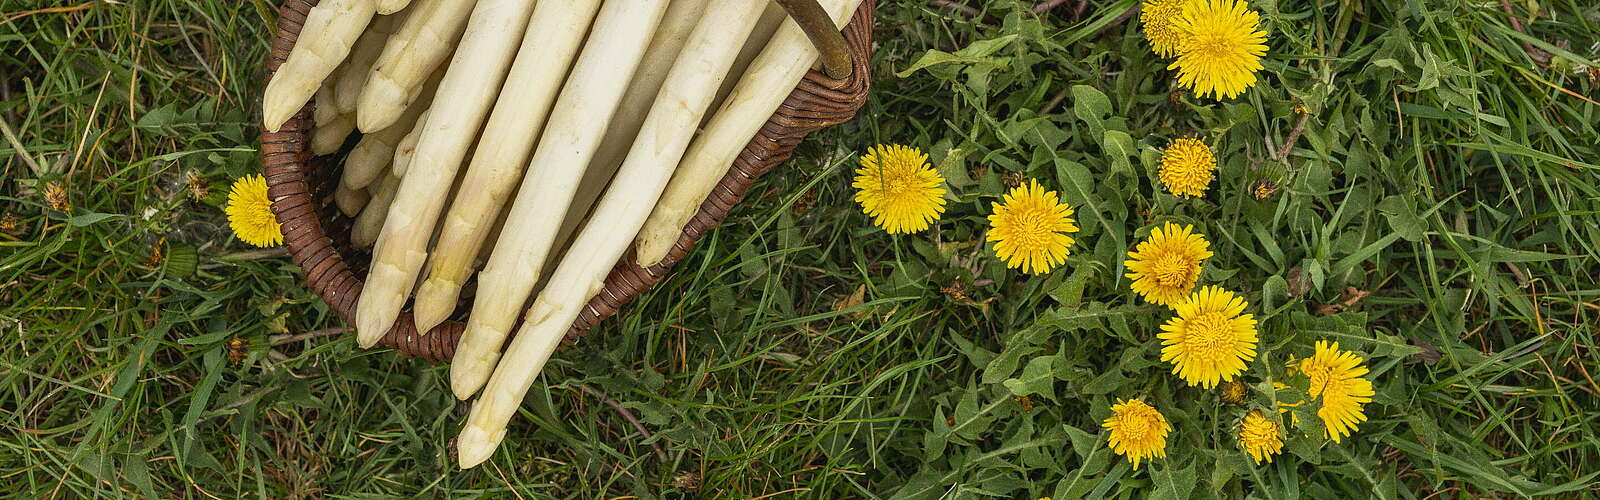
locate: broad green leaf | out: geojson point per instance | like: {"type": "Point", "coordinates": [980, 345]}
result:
{"type": "Point", "coordinates": [1273, 290]}
{"type": "Point", "coordinates": [1118, 146]}
{"type": "Point", "coordinates": [975, 54]}
{"type": "Point", "coordinates": [1171, 484]}
{"type": "Point", "coordinates": [1092, 106]}
{"type": "Point", "coordinates": [1107, 382]}
{"type": "Point", "coordinates": [1403, 218]}
{"type": "Point", "coordinates": [1038, 377]}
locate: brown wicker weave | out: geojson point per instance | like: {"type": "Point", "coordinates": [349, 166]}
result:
{"type": "Point", "coordinates": [317, 235]}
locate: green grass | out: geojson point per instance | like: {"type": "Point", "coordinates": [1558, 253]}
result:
{"type": "Point", "coordinates": [1440, 169]}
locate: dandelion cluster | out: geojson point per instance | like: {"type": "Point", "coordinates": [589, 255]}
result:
{"type": "Point", "coordinates": [1030, 226]}
{"type": "Point", "coordinates": [1210, 340]}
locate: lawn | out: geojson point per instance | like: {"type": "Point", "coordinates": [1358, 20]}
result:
{"type": "Point", "coordinates": [1415, 180]}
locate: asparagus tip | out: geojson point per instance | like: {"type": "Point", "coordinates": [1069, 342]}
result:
{"type": "Point", "coordinates": [380, 106]}
{"type": "Point", "coordinates": [475, 445]}
{"type": "Point", "coordinates": [366, 341]}
{"type": "Point", "coordinates": [463, 390]}
{"type": "Point", "coordinates": [371, 326]}
{"type": "Point", "coordinates": [279, 104]}
{"type": "Point", "coordinates": [650, 251]}
{"type": "Point", "coordinates": [273, 120]}
{"type": "Point", "coordinates": [436, 299]}
{"type": "Point", "coordinates": [466, 376]}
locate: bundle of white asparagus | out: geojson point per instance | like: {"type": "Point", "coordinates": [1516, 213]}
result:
{"type": "Point", "coordinates": [492, 162]}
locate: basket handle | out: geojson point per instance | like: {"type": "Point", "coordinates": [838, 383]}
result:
{"type": "Point", "coordinates": [820, 29]}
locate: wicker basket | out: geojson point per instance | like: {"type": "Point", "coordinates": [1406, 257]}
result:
{"type": "Point", "coordinates": [317, 235]}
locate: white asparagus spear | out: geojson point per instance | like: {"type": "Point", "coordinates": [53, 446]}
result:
{"type": "Point", "coordinates": [670, 124]}
{"type": "Point", "coordinates": [350, 201]}
{"type": "Point", "coordinates": [331, 128]}
{"type": "Point", "coordinates": [391, 6]}
{"type": "Point", "coordinates": [367, 225]}
{"type": "Point", "coordinates": [577, 123]}
{"type": "Point", "coordinates": [465, 95]}
{"type": "Point", "coordinates": [423, 42]}
{"type": "Point", "coordinates": [665, 44]}
{"type": "Point", "coordinates": [326, 110]}
{"type": "Point", "coordinates": [773, 75]}
{"type": "Point", "coordinates": [370, 223]}
{"type": "Point", "coordinates": [407, 146]}
{"type": "Point", "coordinates": [771, 19]}
{"type": "Point", "coordinates": [353, 74]}
{"type": "Point", "coordinates": [642, 92]}
{"type": "Point", "coordinates": [330, 29]}
{"type": "Point", "coordinates": [326, 139]}
{"type": "Point", "coordinates": [373, 155]}
{"type": "Point", "coordinates": [494, 233]}
{"type": "Point", "coordinates": [553, 38]}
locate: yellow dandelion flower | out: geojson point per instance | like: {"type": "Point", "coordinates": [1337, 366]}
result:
{"type": "Point", "coordinates": [1029, 229]}
{"type": "Point", "coordinates": [1222, 49]}
{"type": "Point", "coordinates": [1260, 437]}
{"type": "Point", "coordinates": [1187, 167]}
{"type": "Point", "coordinates": [1164, 266]}
{"type": "Point", "coordinates": [250, 212]}
{"type": "Point", "coordinates": [898, 189]}
{"type": "Point", "coordinates": [1336, 378]}
{"type": "Point", "coordinates": [1233, 392]}
{"type": "Point", "coordinates": [1211, 339]}
{"type": "Point", "coordinates": [1159, 19]}
{"type": "Point", "coordinates": [1138, 431]}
